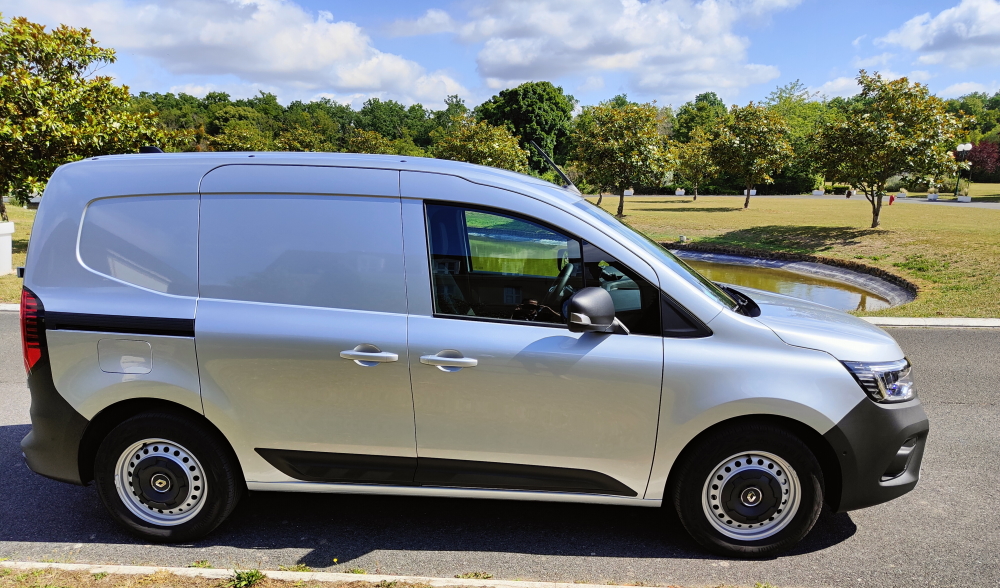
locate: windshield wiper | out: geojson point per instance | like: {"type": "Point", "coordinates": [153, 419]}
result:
{"type": "Point", "coordinates": [569, 183]}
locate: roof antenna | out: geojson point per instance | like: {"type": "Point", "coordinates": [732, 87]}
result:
{"type": "Point", "coordinates": [569, 183]}
{"type": "Point", "coordinates": [150, 149]}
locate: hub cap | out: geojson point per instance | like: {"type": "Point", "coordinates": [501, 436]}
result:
{"type": "Point", "coordinates": [751, 496]}
{"type": "Point", "coordinates": [160, 482]}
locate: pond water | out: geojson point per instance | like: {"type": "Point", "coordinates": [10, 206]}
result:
{"type": "Point", "coordinates": [828, 292]}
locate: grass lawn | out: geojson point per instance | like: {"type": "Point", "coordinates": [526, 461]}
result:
{"type": "Point", "coordinates": [951, 253]}
{"type": "Point", "coordinates": [10, 285]}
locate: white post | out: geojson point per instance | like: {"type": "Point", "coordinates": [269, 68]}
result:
{"type": "Point", "coordinates": [6, 248]}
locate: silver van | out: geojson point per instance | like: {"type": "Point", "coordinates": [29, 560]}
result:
{"type": "Point", "coordinates": [199, 325]}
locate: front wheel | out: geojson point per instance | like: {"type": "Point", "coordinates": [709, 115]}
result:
{"type": "Point", "coordinates": [165, 478]}
{"type": "Point", "coordinates": [751, 490]}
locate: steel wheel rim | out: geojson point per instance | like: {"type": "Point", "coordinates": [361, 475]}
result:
{"type": "Point", "coordinates": [739, 480]}
{"type": "Point", "coordinates": [160, 482]}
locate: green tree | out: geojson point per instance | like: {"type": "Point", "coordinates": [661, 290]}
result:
{"type": "Point", "coordinates": [701, 113]}
{"type": "Point", "coordinates": [387, 118]}
{"type": "Point", "coordinates": [482, 143]}
{"type": "Point", "coordinates": [694, 160]}
{"type": "Point", "coordinates": [618, 147]}
{"type": "Point", "coordinates": [893, 128]}
{"type": "Point", "coordinates": [752, 144]}
{"type": "Point", "coordinates": [534, 111]}
{"type": "Point", "coordinates": [804, 113]}
{"type": "Point", "coordinates": [362, 141]}
{"type": "Point", "coordinates": [54, 110]}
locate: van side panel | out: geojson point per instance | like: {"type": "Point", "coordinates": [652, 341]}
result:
{"type": "Point", "coordinates": [85, 305]}
{"type": "Point", "coordinates": [296, 265]}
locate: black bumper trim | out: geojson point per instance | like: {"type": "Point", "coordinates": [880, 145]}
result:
{"type": "Point", "coordinates": [867, 441]}
{"type": "Point", "coordinates": [349, 468]}
{"type": "Point", "coordinates": [136, 325]}
{"type": "Point", "coordinates": [52, 447]}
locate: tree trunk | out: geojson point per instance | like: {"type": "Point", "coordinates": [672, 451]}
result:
{"type": "Point", "coordinates": [876, 209]}
{"type": "Point", "coordinates": [696, 191]}
{"type": "Point", "coordinates": [3, 211]}
{"type": "Point", "coordinates": [746, 203]}
{"type": "Point", "coordinates": [599, 198]}
{"type": "Point", "coordinates": [621, 205]}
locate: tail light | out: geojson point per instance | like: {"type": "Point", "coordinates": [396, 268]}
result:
{"type": "Point", "coordinates": [32, 329]}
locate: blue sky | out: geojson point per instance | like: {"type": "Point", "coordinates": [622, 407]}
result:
{"type": "Point", "coordinates": [663, 50]}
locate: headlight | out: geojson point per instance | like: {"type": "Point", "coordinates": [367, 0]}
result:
{"type": "Point", "coordinates": [890, 381]}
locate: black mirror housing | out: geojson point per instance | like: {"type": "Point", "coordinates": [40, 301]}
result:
{"type": "Point", "coordinates": [592, 310]}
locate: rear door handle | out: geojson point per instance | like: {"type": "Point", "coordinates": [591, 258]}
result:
{"type": "Point", "coordinates": [449, 360]}
{"type": "Point", "coordinates": [368, 355]}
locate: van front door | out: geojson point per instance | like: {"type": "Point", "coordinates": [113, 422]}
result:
{"type": "Point", "coordinates": [301, 324]}
{"type": "Point", "coordinates": [505, 396]}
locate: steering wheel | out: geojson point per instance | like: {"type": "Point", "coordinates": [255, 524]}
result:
{"type": "Point", "coordinates": [559, 285]}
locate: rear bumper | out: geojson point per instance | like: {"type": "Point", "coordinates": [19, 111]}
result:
{"type": "Point", "coordinates": [879, 448]}
{"type": "Point", "coordinates": [52, 448]}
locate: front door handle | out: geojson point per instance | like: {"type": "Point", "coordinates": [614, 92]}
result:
{"type": "Point", "coordinates": [449, 360]}
{"type": "Point", "coordinates": [368, 355]}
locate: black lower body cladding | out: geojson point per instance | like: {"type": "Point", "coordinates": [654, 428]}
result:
{"type": "Point", "coordinates": [52, 448]}
{"type": "Point", "coordinates": [880, 447]}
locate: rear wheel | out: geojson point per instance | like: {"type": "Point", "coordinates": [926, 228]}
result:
{"type": "Point", "coordinates": [165, 478]}
{"type": "Point", "coordinates": [751, 490]}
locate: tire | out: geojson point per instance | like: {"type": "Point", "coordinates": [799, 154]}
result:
{"type": "Point", "coordinates": [768, 504]}
{"type": "Point", "coordinates": [200, 478]}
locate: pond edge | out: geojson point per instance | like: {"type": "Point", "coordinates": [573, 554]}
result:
{"type": "Point", "coordinates": [896, 289]}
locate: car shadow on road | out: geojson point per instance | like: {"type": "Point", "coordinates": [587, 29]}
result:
{"type": "Point", "coordinates": [347, 527]}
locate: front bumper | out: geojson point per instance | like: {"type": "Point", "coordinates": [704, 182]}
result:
{"type": "Point", "coordinates": [879, 447]}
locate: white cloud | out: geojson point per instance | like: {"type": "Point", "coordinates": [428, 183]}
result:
{"type": "Point", "coordinates": [432, 22]}
{"type": "Point", "coordinates": [591, 83]}
{"type": "Point", "coordinates": [857, 42]}
{"type": "Point", "coordinates": [963, 88]}
{"type": "Point", "coordinates": [273, 43]}
{"type": "Point", "coordinates": [842, 86]}
{"type": "Point", "coordinates": [670, 48]}
{"type": "Point", "coordinates": [873, 61]}
{"type": "Point", "coordinates": [964, 36]}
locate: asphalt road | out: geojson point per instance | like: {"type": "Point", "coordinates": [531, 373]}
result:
{"type": "Point", "coordinates": [944, 533]}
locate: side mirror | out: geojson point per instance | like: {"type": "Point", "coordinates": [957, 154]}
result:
{"type": "Point", "coordinates": [592, 310]}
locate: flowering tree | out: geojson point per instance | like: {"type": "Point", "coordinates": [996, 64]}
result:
{"type": "Point", "coordinates": [752, 143]}
{"type": "Point", "coordinates": [619, 147]}
{"type": "Point", "coordinates": [694, 160]}
{"type": "Point", "coordinates": [482, 143]}
{"type": "Point", "coordinates": [53, 110]}
{"type": "Point", "coordinates": [892, 128]}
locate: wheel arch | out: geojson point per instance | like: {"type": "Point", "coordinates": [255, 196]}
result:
{"type": "Point", "coordinates": [112, 416]}
{"type": "Point", "coordinates": [820, 447]}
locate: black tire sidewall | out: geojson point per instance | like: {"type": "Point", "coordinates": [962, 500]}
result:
{"type": "Point", "coordinates": [218, 466]}
{"type": "Point", "coordinates": [701, 462]}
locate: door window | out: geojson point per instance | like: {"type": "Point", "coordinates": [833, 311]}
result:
{"type": "Point", "coordinates": [492, 265]}
{"type": "Point", "coordinates": [637, 302]}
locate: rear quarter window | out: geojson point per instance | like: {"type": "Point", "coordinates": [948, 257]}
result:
{"type": "Point", "coordinates": [146, 241]}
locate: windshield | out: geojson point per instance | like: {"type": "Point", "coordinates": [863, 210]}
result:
{"type": "Point", "coordinates": [659, 252]}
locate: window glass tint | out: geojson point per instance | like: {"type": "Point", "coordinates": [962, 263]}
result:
{"type": "Point", "coordinates": [327, 251]}
{"type": "Point", "coordinates": [637, 302]}
{"type": "Point", "coordinates": [148, 241]}
{"type": "Point", "coordinates": [491, 265]}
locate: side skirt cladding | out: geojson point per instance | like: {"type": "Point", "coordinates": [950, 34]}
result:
{"type": "Point", "coordinates": [345, 468]}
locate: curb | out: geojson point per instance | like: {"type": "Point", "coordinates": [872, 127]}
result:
{"type": "Point", "coordinates": [10, 307]}
{"type": "Point", "coordinates": [216, 573]}
{"type": "Point", "coordinates": [963, 323]}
